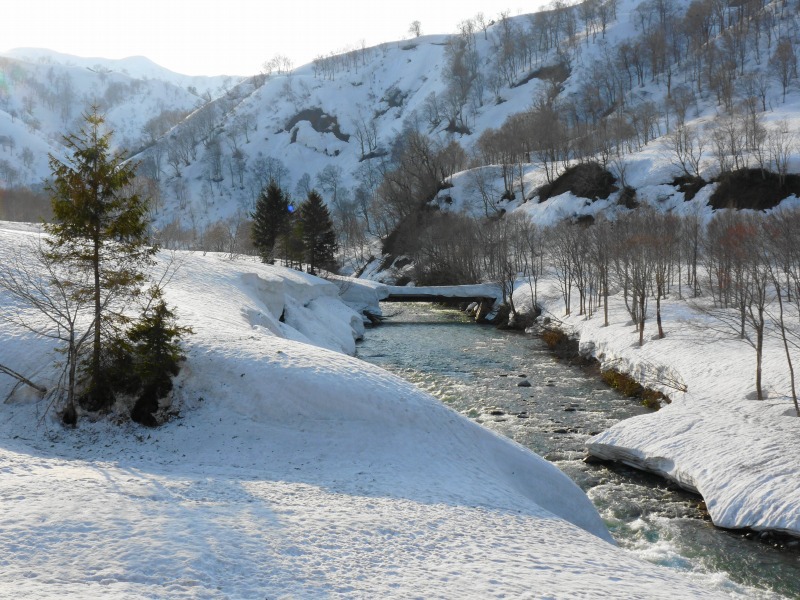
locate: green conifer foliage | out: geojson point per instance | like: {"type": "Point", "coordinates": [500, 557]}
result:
{"type": "Point", "coordinates": [100, 227]}
{"type": "Point", "coordinates": [271, 220]}
{"type": "Point", "coordinates": [156, 352]}
{"type": "Point", "coordinates": [317, 233]}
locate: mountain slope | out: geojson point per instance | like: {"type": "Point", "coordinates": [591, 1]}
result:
{"type": "Point", "coordinates": [43, 98]}
{"type": "Point", "coordinates": [617, 76]}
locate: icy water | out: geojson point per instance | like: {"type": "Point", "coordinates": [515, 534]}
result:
{"type": "Point", "coordinates": [476, 371]}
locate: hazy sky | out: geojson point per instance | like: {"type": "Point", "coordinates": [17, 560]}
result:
{"type": "Point", "coordinates": [233, 37]}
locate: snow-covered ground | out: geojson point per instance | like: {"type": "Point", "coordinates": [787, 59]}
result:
{"type": "Point", "coordinates": [293, 470]}
{"type": "Point", "coordinates": [715, 438]}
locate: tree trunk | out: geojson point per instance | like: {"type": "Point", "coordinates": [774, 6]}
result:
{"type": "Point", "coordinates": [641, 319]}
{"type": "Point", "coordinates": [759, 352]}
{"type": "Point", "coordinates": [70, 417]}
{"type": "Point", "coordinates": [96, 375]}
{"type": "Point", "coordinates": [658, 315]}
{"type": "Point", "coordinates": [788, 354]}
{"type": "Point", "coordinates": [742, 319]}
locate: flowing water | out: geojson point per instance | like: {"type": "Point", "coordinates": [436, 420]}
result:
{"type": "Point", "coordinates": [477, 370]}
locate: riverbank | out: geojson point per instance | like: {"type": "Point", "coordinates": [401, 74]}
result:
{"type": "Point", "coordinates": [288, 469]}
{"type": "Point", "coordinates": [715, 438]}
{"type": "Point", "coordinates": [511, 383]}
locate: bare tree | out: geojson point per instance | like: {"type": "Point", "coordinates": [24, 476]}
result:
{"type": "Point", "coordinates": [737, 259]}
{"type": "Point", "coordinates": [329, 180]}
{"type": "Point", "coordinates": [691, 236]}
{"type": "Point", "coordinates": [481, 181]}
{"type": "Point", "coordinates": [784, 64]}
{"type": "Point", "coordinates": [447, 250]}
{"type": "Point", "coordinates": [483, 24]}
{"type": "Point", "coordinates": [560, 260]}
{"type": "Point", "coordinates": [781, 142]}
{"type": "Point", "coordinates": [499, 266]}
{"type": "Point", "coordinates": [43, 302]}
{"type": "Point", "coordinates": [495, 148]}
{"type": "Point", "coordinates": [679, 101]}
{"type": "Point", "coordinates": [366, 132]}
{"type": "Point", "coordinates": [631, 255]}
{"type": "Point", "coordinates": [7, 143]}
{"type": "Point", "coordinates": [600, 243]}
{"type": "Point", "coordinates": [303, 186]}
{"type": "Point", "coordinates": [664, 242]}
{"type": "Point", "coordinates": [783, 235]}
{"type": "Point", "coordinates": [757, 296]}
{"type": "Point", "coordinates": [268, 168]}
{"type": "Point", "coordinates": [549, 147]}
{"type": "Point", "coordinates": [686, 145]}
{"type": "Point", "coordinates": [279, 64]}
{"type": "Point", "coordinates": [728, 138]}
{"type": "Point", "coordinates": [531, 240]}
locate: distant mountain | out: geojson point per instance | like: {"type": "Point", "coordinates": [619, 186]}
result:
{"type": "Point", "coordinates": [135, 67]}
{"type": "Point", "coordinates": [43, 95]}
{"type": "Point", "coordinates": [508, 104]}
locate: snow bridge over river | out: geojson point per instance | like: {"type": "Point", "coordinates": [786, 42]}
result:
{"type": "Point", "coordinates": [484, 297]}
{"type": "Point", "coordinates": [483, 293]}
{"type": "Point", "coordinates": [365, 295]}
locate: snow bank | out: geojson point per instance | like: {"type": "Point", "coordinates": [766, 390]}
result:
{"type": "Point", "coordinates": [715, 439]}
{"type": "Point", "coordinates": [293, 470]}
{"type": "Point", "coordinates": [362, 295]}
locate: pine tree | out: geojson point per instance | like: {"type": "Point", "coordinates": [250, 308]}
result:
{"type": "Point", "coordinates": [99, 227]}
{"type": "Point", "coordinates": [316, 230]}
{"type": "Point", "coordinates": [271, 220]}
{"type": "Point", "coordinates": [156, 354]}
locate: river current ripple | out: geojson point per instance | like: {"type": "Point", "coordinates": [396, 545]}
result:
{"type": "Point", "coordinates": [477, 370]}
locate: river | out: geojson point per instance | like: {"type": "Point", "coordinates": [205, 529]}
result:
{"type": "Point", "coordinates": [477, 370]}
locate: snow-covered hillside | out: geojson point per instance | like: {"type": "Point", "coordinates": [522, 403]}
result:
{"type": "Point", "coordinates": [43, 95]}
{"type": "Point", "coordinates": [135, 67]}
{"type": "Point", "coordinates": [596, 63]}
{"type": "Point", "coordinates": [290, 470]}
{"type": "Point", "coordinates": [714, 438]}
{"type": "Point", "coordinates": [309, 121]}
{"type": "Point", "coordinates": [335, 123]}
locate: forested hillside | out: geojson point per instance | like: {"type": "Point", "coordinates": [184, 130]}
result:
{"type": "Point", "coordinates": [653, 92]}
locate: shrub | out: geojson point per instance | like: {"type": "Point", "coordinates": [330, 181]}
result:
{"type": "Point", "coordinates": [627, 386]}
{"type": "Point", "coordinates": [156, 352]}
{"type": "Point", "coordinates": [628, 198]}
{"type": "Point", "coordinates": [752, 188]}
{"type": "Point", "coordinates": [689, 186]}
{"type": "Point", "coordinates": [587, 180]}
{"type": "Point", "coordinates": [554, 338]}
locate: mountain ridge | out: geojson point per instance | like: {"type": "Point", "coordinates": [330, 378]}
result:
{"type": "Point", "coordinates": [613, 90]}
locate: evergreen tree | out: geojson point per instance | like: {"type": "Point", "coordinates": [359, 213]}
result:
{"type": "Point", "coordinates": [99, 227]}
{"type": "Point", "coordinates": [271, 220]}
{"type": "Point", "coordinates": [156, 354]}
{"type": "Point", "coordinates": [316, 230]}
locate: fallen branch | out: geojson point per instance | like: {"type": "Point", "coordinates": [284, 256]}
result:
{"type": "Point", "coordinates": [23, 379]}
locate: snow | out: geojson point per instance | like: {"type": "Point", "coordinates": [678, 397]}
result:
{"type": "Point", "coordinates": [356, 94]}
{"type": "Point", "coordinates": [295, 470]}
{"type": "Point", "coordinates": [564, 206]}
{"type": "Point", "coordinates": [136, 67]}
{"type": "Point", "coordinates": [292, 470]}
{"type": "Point", "coordinates": [45, 94]}
{"type": "Point", "coordinates": [477, 290]}
{"type": "Point", "coordinates": [714, 438]}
